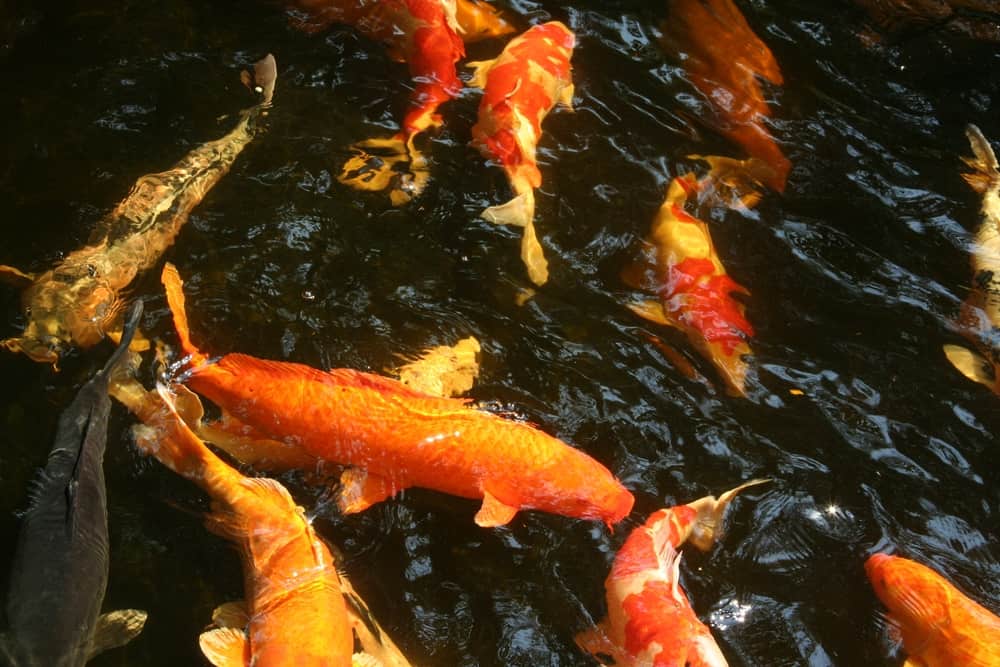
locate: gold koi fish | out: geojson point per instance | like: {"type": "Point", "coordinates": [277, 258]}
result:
{"type": "Point", "coordinates": [979, 320]}
{"type": "Point", "coordinates": [78, 302]}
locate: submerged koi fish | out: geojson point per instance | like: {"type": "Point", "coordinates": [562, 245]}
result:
{"type": "Point", "coordinates": [395, 437]}
{"type": "Point", "coordinates": [520, 88]}
{"type": "Point", "coordinates": [295, 611]}
{"type": "Point", "coordinates": [479, 20]}
{"type": "Point", "coordinates": [421, 33]}
{"type": "Point", "coordinates": [443, 370]}
{"type": "Point", "coordinates": [79, 301]}
{"type": "Point", "coordinates": [981, 21]}
{"type": "Point", "coordinates": [650, 620]}
{"type": "Point", "coordinates": [60, 568]}
{"type": "Point", "coordinates": [980, 316]}
{"type": "Point", "coordinates": [939, 625]}
{"type": "Point", "coordinates": [695, 292]}
{"type": "Point", "coordinates": [723, 57]}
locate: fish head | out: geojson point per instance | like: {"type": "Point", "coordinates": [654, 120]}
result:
{"type": "Point", "coordinates": [918, 598]}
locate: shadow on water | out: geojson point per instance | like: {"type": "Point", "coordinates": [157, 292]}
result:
{"type": "Point", "coordinates": [855, 274]}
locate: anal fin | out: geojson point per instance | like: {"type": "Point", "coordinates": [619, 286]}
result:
{"type": "Point", "coordinates": [494, 512]}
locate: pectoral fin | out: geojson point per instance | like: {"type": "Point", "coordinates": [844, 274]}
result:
{"type": "Point", "coordinates": [15, 277]}
{"type": "Point", "coordinates": [566, 96]}
{"type": "Point", "coordinates": [115, 629]}
{"type": "Point", "coordinates": [596, 642]}
{"type": "Point", "coordinates": [225, 647]}
{"type": "Point", "coordinates": [970, 364]}
{"type": "Point", "coordinates": [365, 660]}
{"type": "Point", "coordinates": [231, 615]}
{"type": "Point", "coordinates": [360, 489]}
{"type": "Point", "coordinates": [494, 512]}
{"type": "Point", "coordinates": [480, 69]}
{"type": "Point", "coordinates": [518, 212]}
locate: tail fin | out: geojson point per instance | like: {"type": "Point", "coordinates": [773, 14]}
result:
{"type": "Point", "coordinates": [166, 436]}
{"type": "Point", "coordinates": [520, 212]}
{"type": "Point", "coordinates": [987, 174]}
{"type": "Point", "coordinates": [261, 79]}
{"type": "Point", "coordinates": [128, 333]}
{"type": "Point", "coordinates": [174, 287]}
{"type": "Point", "coordinates": [707, 530]}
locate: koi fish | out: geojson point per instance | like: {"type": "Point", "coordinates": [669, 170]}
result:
{"type": "Point", "coordinates": [422, 33]}
{"type": "Point", "coordinates": [979, 320]}
{"type": "Point", "coordinates": [60, 570]}
{"type": "Point", "coordinates": [295, 612]}
{"type": "Point", "coordinates": [520, 88]}
{"type": "Point", "coordinates": [939, 625]}
{"type": "Point", "coordinates": [650, 619]}
{"type": "Point", "coordinates": [723, 57]}
{"type": "Point", "coordinates": [79, 301]}
{"type": "Point", "coordinates": [443, 370]}
{"type": "Point", "coordinates": [395, 437]}
{"type": "Point", "coordinates": [981, 21]}
{"type": "Point", "coordinates": [695, 292]}
{"type": "Point", "coordinates": [478, 20]}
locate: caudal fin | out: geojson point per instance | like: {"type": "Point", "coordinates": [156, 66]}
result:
{"type": "Point", "coordinates": [174, 287]}
{"type": "Point", "coordinates": [707, 529]}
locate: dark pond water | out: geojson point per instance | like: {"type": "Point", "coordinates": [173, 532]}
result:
{"type": "Point", "coordinates": [855, 274]}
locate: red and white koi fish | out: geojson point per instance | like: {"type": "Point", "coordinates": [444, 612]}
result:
{"type": "Point", "coordinates": [695, 292]}
{"type": "Point", "coordinates": [295, 612]}
{"type": "Point", "coordinates": [939, 625]}
{"type": "Point", "coordinates": [650, 620]}
{"type": "Point", "coordinates": [723, 57]}
{"type": "Point", "coordinates": [395, 437]}
{"type": "Point", "coordinates": [520, 88]}
{"type": "Point", "coordinates": [421, 33]}
{"type": "Point", "coordinates": [980, 316]}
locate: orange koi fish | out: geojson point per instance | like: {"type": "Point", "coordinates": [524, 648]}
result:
{"type": "Point", "coordinates": [979, 319]}
{"type": "Point", "coordinates": [478, 20]}
{"type": "Point", "coordinates": [650, 620]}
{"type": "Point", "coordinates": [695, 292]}
{"type": "Point", "coordinates": [723, 57]}
{"type": "Point", "coordinates": [395, 437]}
{"type": "Point", "coordinates": [295, 613]}
{"type": "Point", "coordinates": [421, 33]}
{"type": "Point", "coordinates": [520, 88]}
{"type": "Point", "coordinates": [939, 626]}
{"type": "Point", "coordinates": [79, 301]}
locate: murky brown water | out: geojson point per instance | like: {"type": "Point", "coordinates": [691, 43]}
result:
{"type": "Point", "coordinates": [855, 274]}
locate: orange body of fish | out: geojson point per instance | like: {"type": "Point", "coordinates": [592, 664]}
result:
{"type": "Point", "coordinates": [396, 437]}
{"type": "Point", "coordinates": [520, 88]}
{"type": "Point", "coordinates": [723, 57]}
{"type": "Point", "coordinates": [650, 620]}
{"type": "Point", "coordinates": [939, 625]}
{"type": "Point", "coordinates": [695, 292]}
{"type": "Point", "coordinates": [295, 607]}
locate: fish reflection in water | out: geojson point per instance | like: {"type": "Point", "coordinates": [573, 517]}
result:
{"type": "Point", "coordinates": [421, 33]}
{"type": "Point", "coordinates": [979, 320]}
{"type": "Point", "coordinates": [938, 625]}
{"type": "Point", "coordinates": [520, 87]}
{"type": "Point", "coordinates": [399, 438]}
{"type": "Point", "coordinates": [979, 19]}
{"type": "Point", "coordinates": [79, 301]}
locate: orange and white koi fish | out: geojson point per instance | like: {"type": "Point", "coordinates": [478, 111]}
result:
{"type": "Point", "coordinates": [939, 625]}
{"type": "Point", "coordinates": [520, 88]}
{"type": "Point", "coordinates": [79, 301]}
{"type": "Point", "coordinates": [979, 320]}
{"type": "Point", "coordinates": [422, 33]}
{"type": "Point", "coordinates": [479, 20]}
{"type": "Point", "coordinates": [295, 611]}
{"type": "Point", "coordinates": [395, 437]}
{"type": "Point", "coordinates": [650, 620]}
{"type": "Point", "coordinates": [723, 57]}
{"type": "Point", "coordinates": [695, 292]}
